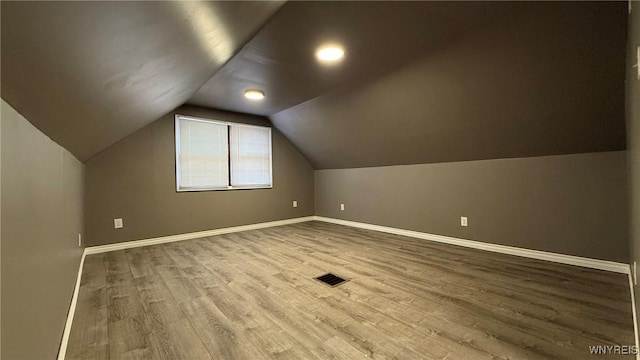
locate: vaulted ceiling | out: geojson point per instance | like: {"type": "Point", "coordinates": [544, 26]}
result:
{"type": "Point", "coordinates": [91, 73]}
{"type": "Point", "coordinates": [421, 81]}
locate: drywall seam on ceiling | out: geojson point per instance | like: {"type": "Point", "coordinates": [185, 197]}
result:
{"type": "Point", "coordinates": [503, 249]}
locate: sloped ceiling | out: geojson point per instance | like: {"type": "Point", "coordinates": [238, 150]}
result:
{"type": "Point", "coordinates": [377, 36]}
{"type": "Point", "coordinates": [547, 79]}
{"type": "Point", "coordinates": [88, 74]}
{"type": "Point", "coordinates": [421, 81]}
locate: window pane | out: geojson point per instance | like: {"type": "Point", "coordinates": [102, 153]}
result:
{"type": "Point", "coordinates": [250, 155]}
{"type": "Point", "coordinates": [203, 161]}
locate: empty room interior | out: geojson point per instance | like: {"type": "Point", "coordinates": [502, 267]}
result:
{"type": "Point", "coordinates": [319, 180]}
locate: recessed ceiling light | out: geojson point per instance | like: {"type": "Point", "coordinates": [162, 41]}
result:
{"type": "Point", "coordinates": [330, 53]}
{"type": "Point", "coordinates": [254, 94]}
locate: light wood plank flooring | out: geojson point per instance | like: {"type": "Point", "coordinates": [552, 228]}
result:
{"type": "Point", "coordinates": [252, 295]}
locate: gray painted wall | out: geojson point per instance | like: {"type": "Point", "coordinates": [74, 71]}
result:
{"type": "Point", "coordinates": [633, 136]}
{"type": "Point", "coordinates": [569, 204]}
{"type": "Point", "coordinates": [135, 180]}
{"type": "Point", "coordinates": [42, 214]}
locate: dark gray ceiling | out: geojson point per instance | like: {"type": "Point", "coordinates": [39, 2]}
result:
{"type": "Point", "coordinates": [378, 36]}
{"type": "Point", "coordinates": [421, 81]}
{"type": "Point", "coordinates": [546, 80]}
{"type": "Point", "coordinates": [90, 73]}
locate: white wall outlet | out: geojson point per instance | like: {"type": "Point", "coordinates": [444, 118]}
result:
{"type": "Point", "coordinates": [635, 274]}
{"type": "Point", "coordinates": [295, 203]}
{"type": "Point", "coordinates": [463, 221]}
{"type": "Point", "coordinates": [117, 223]}
{"type": "Point", "coordinates": [342, 207]}
{"type": "Point", "coordinates": [79, 240]}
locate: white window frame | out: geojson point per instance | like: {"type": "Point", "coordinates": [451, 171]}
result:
{"type": "Point", "coordinates": [229, 186]}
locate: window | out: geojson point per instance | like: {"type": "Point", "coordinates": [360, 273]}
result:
{"type": "Point", "coordinates": [217, 155]}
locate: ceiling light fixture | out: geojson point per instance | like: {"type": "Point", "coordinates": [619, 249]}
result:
{"type": "Point", "coordinates": [254, 94]}
{"type": "Point", "coordinates": [329, 53]}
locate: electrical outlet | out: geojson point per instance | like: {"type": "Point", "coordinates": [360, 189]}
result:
{"type": "Point", "coordinates": [342, 207]}
{"type": "Point", "coordinates": [463, 221]}
{"type": "Point", "coordinates": [79, 240]}
{"type": "Point", "coordinates": [295, 203]}
{"type": "Point", "coordinates": [117, 223]}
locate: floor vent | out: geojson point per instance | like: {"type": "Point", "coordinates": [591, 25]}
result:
{"type": "Point", "coordinates": [330, 279]}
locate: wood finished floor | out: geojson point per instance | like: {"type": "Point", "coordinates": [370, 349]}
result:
{"type": "Point", "coordinates": [251, 295]}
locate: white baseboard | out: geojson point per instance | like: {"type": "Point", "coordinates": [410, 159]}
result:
{"type": "Point", "coordinates": [503, 249]}
{"type": "Point", "coordinates": [633, 311]}
{"type": "Point", "coordinates": [193, 235]}
{"type": "Point", "coordinates": [534, 254]}
{"type": "Point", "coordinates": [72, 310]}
{"type": "Point", "coordinates": [147, 242]}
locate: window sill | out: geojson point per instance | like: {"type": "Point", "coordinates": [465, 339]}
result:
{"type": "Point", "coordinates": [181, 190]}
